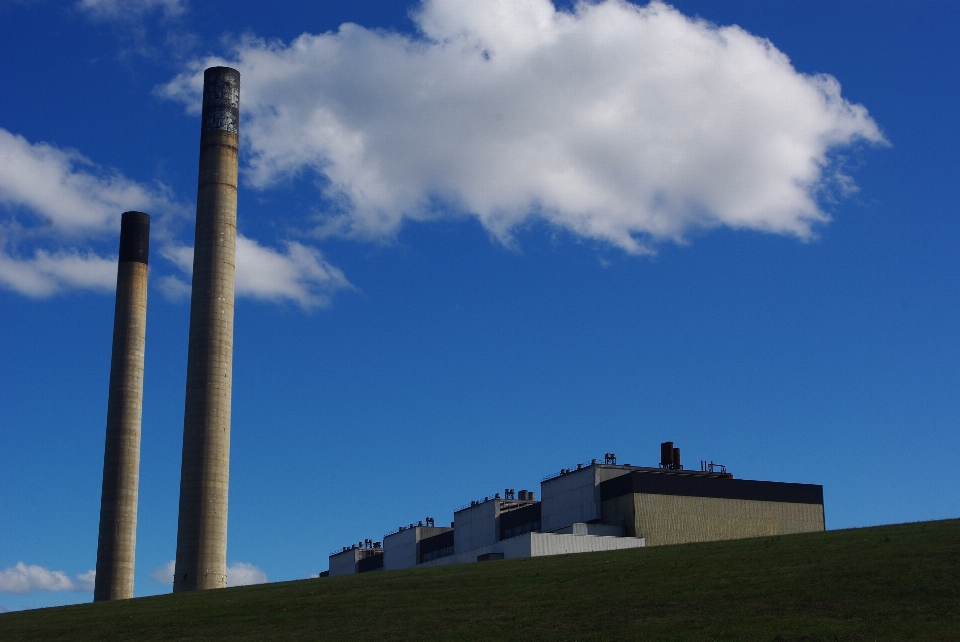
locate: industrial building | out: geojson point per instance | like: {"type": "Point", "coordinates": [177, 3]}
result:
{"type": "Point", "coordinates": [598, 506]}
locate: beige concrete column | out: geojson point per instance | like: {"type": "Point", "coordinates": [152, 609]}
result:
{"type": "Point", "coordinates": [202, 530]}
{"type": "Point", "coordinates": [116, 548]}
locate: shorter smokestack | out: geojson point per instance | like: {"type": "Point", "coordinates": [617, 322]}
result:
{"type": "Point", "coordinates": [676, 459]}
{"type": "Point", "coordinates": [116, 546]}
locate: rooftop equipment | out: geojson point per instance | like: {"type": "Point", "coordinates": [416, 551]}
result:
{"type": "Point", "coordinates": [669, 456]}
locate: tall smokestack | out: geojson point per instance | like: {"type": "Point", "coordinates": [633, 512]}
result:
{"type": "Point", "coordinates": [204, 475]}
{"type": "Point", "coordinates": [117, 544]}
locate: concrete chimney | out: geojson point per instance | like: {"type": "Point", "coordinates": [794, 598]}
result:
{"type": "Point", "coordinates": [202, 530]}
{"type": "Point", "coordinates": [117, 544]}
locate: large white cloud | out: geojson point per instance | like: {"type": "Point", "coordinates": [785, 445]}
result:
{"type": "Point", "coordinates": [625, 124]}
{"type": "Point", "coordinates": [59, 197]}
{"type": "Point", "coordinates": [24, 578]}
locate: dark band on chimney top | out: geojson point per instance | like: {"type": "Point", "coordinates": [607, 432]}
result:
{"type": "Point", "coordinates": [134, 237]}
{"type": "Point", "coordinates": [221, 100]}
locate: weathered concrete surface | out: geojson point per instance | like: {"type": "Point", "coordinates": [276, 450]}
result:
{"type": "Point", "coordinates": [574, 497]}
{"type": "Point", "coordinates": [201, 561]}
{"type": "Point", "coordinates": [400, 549]}
{"type": "Point", "coordinates": [674, 519]}
{"type": "Point", "coordinates": [116, 547]}
{"type": "Point", "coordinates": [540, 545]}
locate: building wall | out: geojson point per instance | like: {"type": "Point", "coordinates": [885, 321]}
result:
{"type": "Point", "coordinates": [621, 511]}
{"type": "Point", "coordinates": [400, 549]}
{"type": "Point", "coordinates": [678, 519]}
{"type": "Point", "coordinates": [541, 544]}
{"type": "Point", "coordinates": [344, 563]}
{"type": "Point", "coordinates": [575, 496]}
{"type": "Point", "coordinates": [604, 530]}
{"type": "Point", "coordinates": [475, 526]}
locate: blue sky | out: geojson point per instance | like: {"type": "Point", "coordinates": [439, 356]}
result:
{"type": "Point", "coordinates": [482, 242]}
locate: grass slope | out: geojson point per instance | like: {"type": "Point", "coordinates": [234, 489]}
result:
{"type": "Point", "coordinates": [883, 583]}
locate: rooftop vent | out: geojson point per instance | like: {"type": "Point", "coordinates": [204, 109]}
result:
{"type": "Point", "coordinates": [670, 456]}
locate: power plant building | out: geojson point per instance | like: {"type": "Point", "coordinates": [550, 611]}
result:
{"type": "Point", "coordinates": [599, 507]}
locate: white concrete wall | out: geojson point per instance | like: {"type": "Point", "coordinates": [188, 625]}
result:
{"type": "Point", "coordinates": [400, 549]}
{"type": "Point", "coordinates": [542, 544]}
{"type": "Point", "coordinates": [569, 498]}
{"type": "Point", "coordinates": [603, 530]}
{"type": "Point", "coordinates": [344, 563]}
{"type": "Point", "coordinates": [574, 496]}
{"type": "Point", "coordinates": [475, 526]}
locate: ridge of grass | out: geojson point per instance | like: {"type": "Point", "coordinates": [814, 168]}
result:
{"type": "Point", "coordinates": [898, 582]}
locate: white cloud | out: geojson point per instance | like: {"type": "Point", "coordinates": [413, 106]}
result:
{"type": "Point", "coordinates": [239, 574]}
{"type": "Point", "coordinates": [130, 9]}
{"type": "Point", "coordinates": [61, 197]}
{"type": "Point", "coordinates": [242, 574]}
{"type": "Point", "coordinates": [300, 274]}
{"type": "Point", "coordinates": [624, 124]}
{"type": "Point", "coordinates": [55, 204]}
{"type": "Point", "coordinates": [173, 288]}
{"type": "Point", "coordinates": [68, 192]}
{"type": "Point", "coordinates": [87, 580]}
{"type": "Point", "coordinates": [24, 578]}
{"type": "Point", "coordinates": [164, 574]}
{"type": "Point", "coordinates": [45, 274]}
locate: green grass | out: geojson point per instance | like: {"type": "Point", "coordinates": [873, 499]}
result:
{"type": "Point", "coordinates": [883, 583]}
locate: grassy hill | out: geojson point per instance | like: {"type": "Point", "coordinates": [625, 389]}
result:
{"type": "Point", "coordinates": [885, 583]}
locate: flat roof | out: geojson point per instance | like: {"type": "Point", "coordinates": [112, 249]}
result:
{"type": "Point", "coordinates": [658, 483]}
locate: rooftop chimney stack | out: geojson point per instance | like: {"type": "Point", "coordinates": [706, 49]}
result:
{"type": "Point", "coordinates": [116, 547]}
{"type": "Point", "coordinates": [666, 454]}
{"type": "Point", "coordinates": [202, 529]}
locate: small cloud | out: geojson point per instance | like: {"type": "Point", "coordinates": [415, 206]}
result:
{"type": "Point", "coordinates": [299, 274]}
{"type": "Point", "coordinates": [126, 10]}
{"type": "Point", "coordinates": [240, 574]}
{"type": "Point", "coordinates": [24, 578]}
{"type": "Point", "coordinates": [87, 580]}
{"type": "Point", "coordinates": [164, 574]}
{"type": "Point", "coordinates": [243, 574]}
{"type": "Point", "coordinates": [173, 288]}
